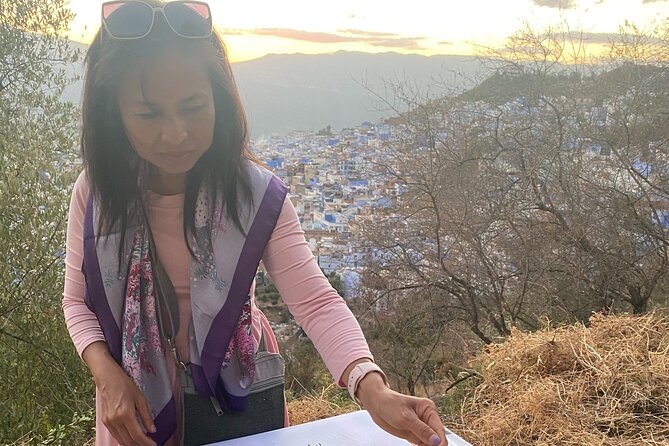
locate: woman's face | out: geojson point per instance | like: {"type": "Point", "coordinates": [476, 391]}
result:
{"type": "Point", "coordinates": [167, 108]}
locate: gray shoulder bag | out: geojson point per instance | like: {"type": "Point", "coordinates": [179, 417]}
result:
{"type": "Point", "coordinates": [203, 419]}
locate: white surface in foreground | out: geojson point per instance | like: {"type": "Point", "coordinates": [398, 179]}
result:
{"type": "Point", "coordinates": [352, 429]}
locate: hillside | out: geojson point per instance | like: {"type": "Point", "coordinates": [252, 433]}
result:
{"type": "Point", "coordinates": [298, 91]}
{"type": "Point", "coordinates": [501, 87]}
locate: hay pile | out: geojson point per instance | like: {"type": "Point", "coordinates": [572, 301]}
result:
{"type": "Point", "coordinates": [603, 385]}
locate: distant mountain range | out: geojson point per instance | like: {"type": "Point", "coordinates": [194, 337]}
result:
{"type": "Point", "coordinates": [308, 92]}
{"type": "Point", "coordinates": [284, 92]}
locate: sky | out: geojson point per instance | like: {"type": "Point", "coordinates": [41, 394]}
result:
{"type": "Point", "coordinates": [253, 28]}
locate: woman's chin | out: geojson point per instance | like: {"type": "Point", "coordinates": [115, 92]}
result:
{"type": "Point", "coordinates": [176, 164]}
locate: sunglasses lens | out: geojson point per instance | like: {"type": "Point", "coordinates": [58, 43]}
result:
{"type": "Point", "coordinates": [189, 19]}
{"type": "Point", "coordinates": [127, 20]}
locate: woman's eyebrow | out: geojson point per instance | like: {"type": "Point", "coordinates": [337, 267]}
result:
{"type": "Point", "coordinates": [145, 103]}
{"type": "Point", "coordinates": [191, 97]}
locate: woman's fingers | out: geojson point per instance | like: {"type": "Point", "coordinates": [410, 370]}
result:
{"type": "Point", "coordinates": [407, 424]}
{"type": "Point", "coordinates": [411, 418]}
{"type": "Point", "coordinates": [128, 433]}
{"type": "Point", "coordinates": [394, 430]}
{"type": "Point", "coordinates": [140, 414]}
{"type": "Point", "coordinates": [408, 427]}
{"type": "Point", "coordinates": [427, 413]}
{"type": "Point", "coordinates": [144, 412]}
{"type": "Point", "coordinates": [123, 436]}
{"type": "Point", "coordinates": [138, 436]}
{"type": "Point", "coordinates": [125, 410]}
{"type": "Point", "coordinates": [424, 433]}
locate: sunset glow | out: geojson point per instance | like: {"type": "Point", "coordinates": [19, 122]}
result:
{"type": "Point", "coordinates": [253, 28]}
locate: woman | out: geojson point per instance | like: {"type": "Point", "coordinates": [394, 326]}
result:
{"type": "Point", "coordinates": [172, 203]}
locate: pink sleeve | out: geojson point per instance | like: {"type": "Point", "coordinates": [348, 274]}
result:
{"type": "Point", "coordinates": [81, 322]}
{"type": "Point", "coordinates": [314, 304]}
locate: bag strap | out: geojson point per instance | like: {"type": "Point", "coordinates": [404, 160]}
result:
{"type": "Point", "coordinates": [167, 308]}
{"type": "Point", "coordinates": [166, 300]}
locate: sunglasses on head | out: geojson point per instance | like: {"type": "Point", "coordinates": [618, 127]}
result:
{"type": "Point", "coordinates": [133, 19]}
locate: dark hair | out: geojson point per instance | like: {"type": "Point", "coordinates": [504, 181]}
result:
{"type": "Point", "coordinates": [110, 161]}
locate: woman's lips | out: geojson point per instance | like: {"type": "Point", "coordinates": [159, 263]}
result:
{"type": "Point", "coordinates": [177, 155]}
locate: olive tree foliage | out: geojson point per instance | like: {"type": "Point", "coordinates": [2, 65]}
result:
{"type": "Point", "coordinates": [542, 192]}
{"type": "Point", "coordinates": [45, 394]}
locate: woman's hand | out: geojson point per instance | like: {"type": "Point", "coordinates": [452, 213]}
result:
{"type": "Point", "coordinates": [120, 400]}
{"type": "Point", "coordinates": [408, 417]}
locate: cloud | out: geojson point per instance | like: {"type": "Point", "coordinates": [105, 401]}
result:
{"type": "Point", "coordinates": [604, 38]}
{"type": "Point", "coordinates": [373, 38]}
{"type": "Point", "coordinates": [444, 42]}
{"type": "Point", "coordinates": [653, 1]}
{"type": "Point", "coordinates": [408, 43]}
{"type": "Point", "coordinates": [559, 4]}
{"type": "Point", "coordinates": [232, 31]}
{"type": "Point", "coordinates": [359, 32]}
{"type": "Point", "coordinates": [306, 36]}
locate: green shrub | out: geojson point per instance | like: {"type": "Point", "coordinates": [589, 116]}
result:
{"type": "Point", "coordinates": [44, 387]}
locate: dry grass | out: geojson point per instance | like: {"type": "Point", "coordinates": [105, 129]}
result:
{"type": "Point", "coordinates": [319, 406]}
{"type": "Point", "coordinates": [607, 385]}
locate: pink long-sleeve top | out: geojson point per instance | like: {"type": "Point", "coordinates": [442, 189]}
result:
{"type": "Point", "coordinates": [314, 304]}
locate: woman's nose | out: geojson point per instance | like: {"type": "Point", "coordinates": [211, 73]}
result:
{"type": "Point", "coordinates": [174, 131]}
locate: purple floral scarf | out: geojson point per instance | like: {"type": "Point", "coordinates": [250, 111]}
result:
{"type": "Point", "coordinates": [142, 348]}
